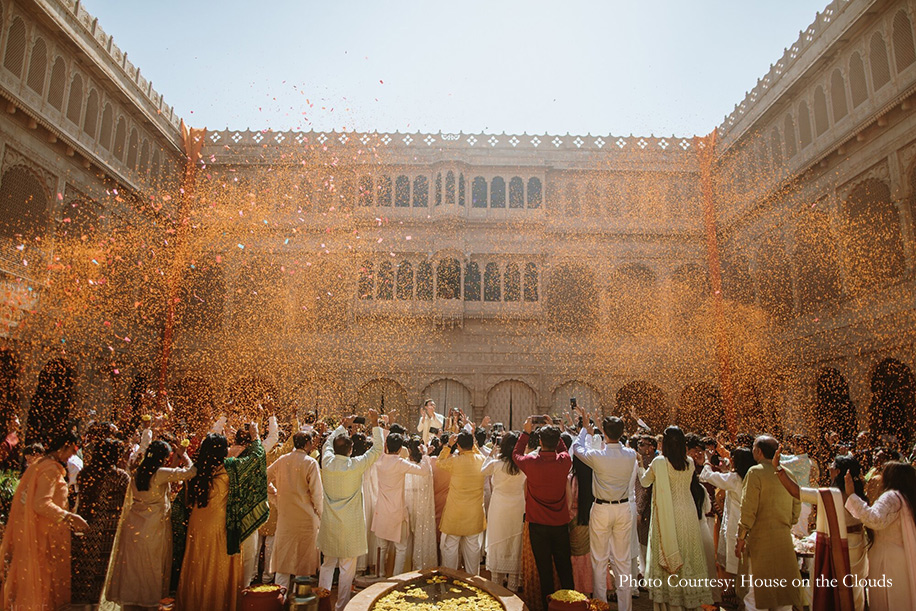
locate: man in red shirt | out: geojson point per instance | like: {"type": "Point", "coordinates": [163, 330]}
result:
{"type": "Point", "coordinates": [546, 509]}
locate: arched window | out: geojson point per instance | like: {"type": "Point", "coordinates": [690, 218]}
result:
{"type": "Point", "coordinates": [531, 282]}
{"type": "Point", "coordinates": [365, 191]}
{"type": "Point", "coordinates": [815, 260]}
{"type": "Point", "coordinates": [91, 120]}
{"type": "Point", "coordinates": [439, 189]}
{"type": "Point", "coordinates": [383, 190]}
{"type": "Point", "coordinates": [572, 199]}
{"type": "Point", "coordinates": [38, 67]}
{"type": "Point", "coordinates": [472, 282]}
{"type": "Point", "coordinates": [448, 279]}
{"type": "Point", "coordinates": [461, 190]}
{"type": "Point", "coordinates": [892, 410]}
{"type": "Point", "coordinates": [58, 83]}
{"type": "Point", "coordinates": [425, 281]}
{"type": "Point", "coordinates": [479, 192]}
{"type": "Point", "coordinates": [516, 193]}
{"type": "Point", "coordinates": [143, 166]}
{"type": "Point", "coordinates": [405, 281]}
{"type": "Point", "coordinates": [857, 84]}
{"type": "Point", "coordinates": [492, 289]}
{"type": "Point", "coordinates": [15, 47]}
{"type": "Point", "coordinates": [120, 137]}
{"type": "Point", "coordinates": [366, 280]}
{"type": "Point", "coordinates": [132, 146]}
{"type": "Point", "coordinates": [421, 192]}
{"type": "Point", "coordinates": [835, 409]}
{"type": "Point", "coordinates": [534, 192]}
{"type": "Point", "coordinates": [75, 101]}
{"type": "Point", "coordinates": [775, 149]}
{"type": "Point", "coordinates": [498, 192]}
{"type": "Point", "coordinates": [107, 126]}
{"type": "Point", "coordinates": [156, 165]}
{"type": "Point", "coordinates": [23, 205]}
{"type": "Point", "coordinates": [789, 135]}
{"type": "Point", "coordinates": [904, 51]}
{"type": "Point", "coordinates": [804, 125]}
{"type": "Point", "coordinates": [880, 66]}
{"type": "Point", "coordinates": [402, 192]}
{"type": "Point", "coordinates": [820, 111]}
{"type": "Point", "coordinates": [513, 283]}
{"type": "Point", "coordinates": [450, 188]}
{"type": "Point", "coordinates": [838, 95]}
{"type": "Point", "coordinates": [385, 284]}
{"type": "Point", "coordinates": [874, 245]}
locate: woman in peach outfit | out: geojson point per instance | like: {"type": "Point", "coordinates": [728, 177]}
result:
{"type": "Point", "coordinates": [35, 553]}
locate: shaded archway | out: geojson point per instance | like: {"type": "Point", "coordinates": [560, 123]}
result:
{"type": "Point", "coordinates": [700, 409]}
{"type": "Point", "coordinates": [835, 409]}
{"type": "Point", "coordinates": [386, 396]}
{"type": "Point", "coordinates": [649, 403]}
{"type": "Point", "coordinates": [193, 402]}
{"type": "Point", "coordinates": [51, 405]}
{"type": "Point", "coordinates": [586, 397]}
{"type": "Point", "coordinates": [448, 394]}
{"type": "Point", "coordinates": [893, 403]}
{"type": "Point", "coordinates": [511, 402]}
{"type": "Point", "coordinates": [873, 241]}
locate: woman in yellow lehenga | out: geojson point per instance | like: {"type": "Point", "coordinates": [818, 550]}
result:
{"type": "Point", "coordinates": [228, 497]}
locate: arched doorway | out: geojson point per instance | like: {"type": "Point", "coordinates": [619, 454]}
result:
{"type": "Point", "coordinates": [649, 403]}
{"type": "Point", "coordinates": [388, 397]}
{"type": "Point", "coordinates": [448, 394]}
{"type": "Point", "coordinates": [586, 397]}
{"type": "Point", "coordinates": [511, 402]}
{"type": "Point", "coordinates": [700, 409]}
{"type": "Point", "coordinates": [193, 402]}
{"type": "Point", "coordinates": [51, 405]}
{"type": "Point", "coordinates": [893, 403]}
{"type": "Point", "coordinates": [835, 409]}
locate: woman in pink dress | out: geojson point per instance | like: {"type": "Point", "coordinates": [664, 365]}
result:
{"type": "Point", "coordinates": [35, 554]}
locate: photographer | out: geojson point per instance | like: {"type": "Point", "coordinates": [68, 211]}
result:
{"type": "Point", "coordinates": [429, 419]}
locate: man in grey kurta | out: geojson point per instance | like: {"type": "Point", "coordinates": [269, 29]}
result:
{"type": "Point", "coordinates": [342, 535]}
{"type": "Point", "coordinates": [768, 513]}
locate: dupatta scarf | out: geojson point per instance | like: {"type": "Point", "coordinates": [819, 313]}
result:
{"type": "Point", "coordinates": [831, 554]}
{"type": "Point", "coordinates": [247, 508]}
{"type": "Point", "coordinates": [663, 509]}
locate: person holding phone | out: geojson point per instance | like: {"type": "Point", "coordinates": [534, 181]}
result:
{"type": "Point", "coordinates": [429, 419]}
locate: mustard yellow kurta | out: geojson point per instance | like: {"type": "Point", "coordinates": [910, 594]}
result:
{"type": "Point", "coordinates": [463, 514]}
{"type": "Point", "coordinates": [210, 578]}
{"type": "Point", "coordinates": [36, 544]}
{"type": "Point", "coordinates": [768, 513]}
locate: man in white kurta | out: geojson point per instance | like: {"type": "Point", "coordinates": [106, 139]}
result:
{"type": "Point", "coordinates": [429, 419]}
{"type": "Point", "coordinates": [342, 536]}
{"type": "Point", "coordinates": [390, 518]}
{"type": "Point", "coordinates": [297, 480]}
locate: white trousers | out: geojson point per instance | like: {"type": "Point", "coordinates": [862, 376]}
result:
{"type": "Point", "coordinates": [470, 552]}
{"type": "Point", "coordinates": [266, 576]}
{"type": "Point", "coordinates": [344, 584]}
{"type": "Point", "coordinates": [400, 552]}
{"type": "Point", "coordinates": [609, 529]}
{"type": "Point", "coordinates": [283, 579]}
{"type": "Point", "coordinates": [250, 548]}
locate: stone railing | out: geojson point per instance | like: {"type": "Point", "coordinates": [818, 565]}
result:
{"type": "Point", "coordinates": [774, 82]}
{"type": "Point", "coordinates": [314, 140]}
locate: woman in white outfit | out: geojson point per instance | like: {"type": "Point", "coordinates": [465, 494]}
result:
{"type": "Point", "coordinates": [421, 512]}
{"type": "Point", "coordinates": [506, 518]}
{"type": "Point", "coordinates": [732, 482]}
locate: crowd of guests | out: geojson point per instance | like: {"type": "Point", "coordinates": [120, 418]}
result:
{"type": "Point", "coordinates": [568, 503]}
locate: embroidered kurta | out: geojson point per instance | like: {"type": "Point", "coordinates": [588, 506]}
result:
{"type": "Point", "coordinates": [343, 521]}
{"type": "Point", "coordinates": [768, 513]}
{"type": "Point", "coordinates": [733, 486]}
{"type": "Point", "coordinates": [421, 509]}
{"type": "Point", "coordinates": [299, 503]}
{"type": "Point", "coordinates": [505, 518]}
{"type": "Point", "coordinates": [463, 514]}
{"type": "Point", "coordinates": [391, 505]}
{"type": "Point", "coordinates": [35, 554]}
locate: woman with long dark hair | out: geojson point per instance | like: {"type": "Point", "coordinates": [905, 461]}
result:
{"type": "Point", "coordinates": [228, 501]}
{"type": "Point", "coordinates": [143, 561]}
{"type": "Point", "coordinates": [893, 550]}
{"type": "Point", "coordinates": [421, 510]}
{"type": "Point", "coordinates": [506, 517]}
{"type": "Point", "coordinates": [35, 554]}
{"type": "Point", "coordinates": [732, 482]}
{"type": "Point", "coordinates": [102, 486]}
{"type": "Point", "coordinates": [835, 539]}
{"type": "Point", "coordinates": [675, 546]}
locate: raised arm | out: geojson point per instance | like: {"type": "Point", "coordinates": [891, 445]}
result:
{"type": "Point", "coordinates": [273, 434]}
{"type": "Point", "coordinates": [725, 481]}
{"type": "Point", "coordinates": [327, 452]}
{"type": "Point", "coordinates": [880, 515]}
{"type": "Point", "coordinates": [647, 476]}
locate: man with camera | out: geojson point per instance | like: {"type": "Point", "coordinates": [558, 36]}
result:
{"type": "Point", "coordinates": [546, 508]}
{"type": "Point", "coordinates": [430, 421]}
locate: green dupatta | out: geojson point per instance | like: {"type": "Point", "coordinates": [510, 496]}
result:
{"type": "Point", "coordinates": [246, 508]}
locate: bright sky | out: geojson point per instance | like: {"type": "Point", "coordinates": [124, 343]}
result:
{"type": "Point", "coordinates": [536, 66]}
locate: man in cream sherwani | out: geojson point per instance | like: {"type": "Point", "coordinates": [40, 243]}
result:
{"type": "Point", "coordinates": [390, 519]}
{"type": "Point", "coordinates": [429, 419]}
{"type": "Point", "coordinates": [342, 536]}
